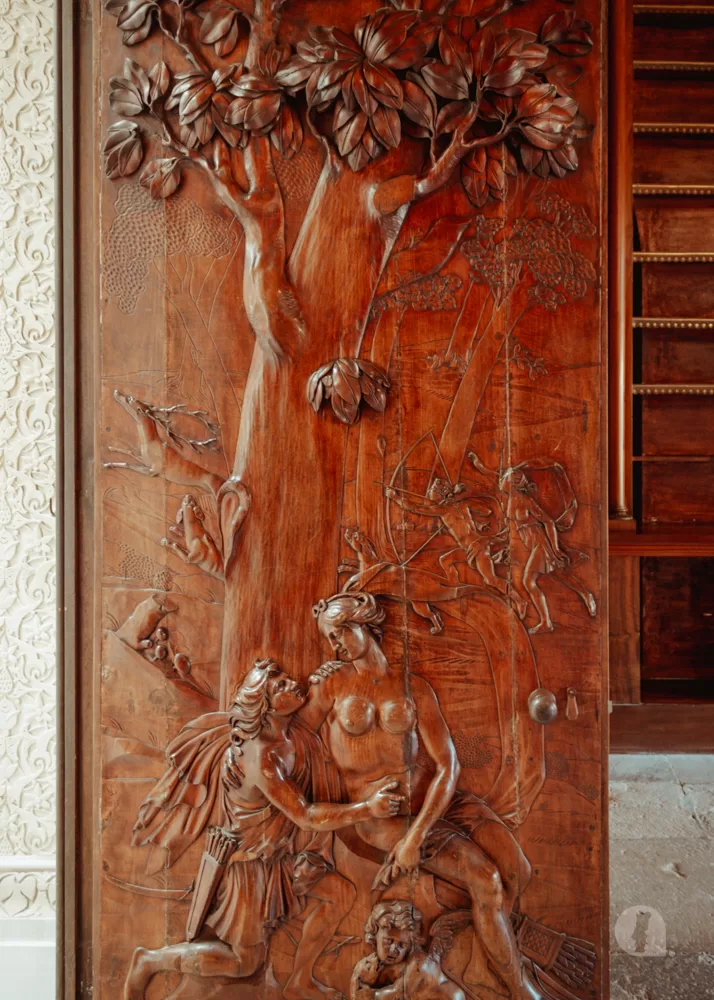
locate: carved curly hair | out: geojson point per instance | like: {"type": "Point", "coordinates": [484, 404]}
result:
{"type": "Point", "coordinates": [397, 913]}
{"type": "Point", "coordinates": [250, 703]}
{"type": "Point", "coordinates": [352, 608]}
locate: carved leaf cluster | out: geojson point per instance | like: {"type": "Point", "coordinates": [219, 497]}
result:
{"type": "Point", "coordinates": [202, 102]}
{"type": "Point", "coordinates": [484, 173]}
{"type": "Point", "coordinates": [135, 18]}
{"type": "Point", "coordinates": [346, 382]}
{"type": "Point", "coordinates": [260, 106]}
{"type": "Point", "coordinates": [123, 149]}
{"type": "Point", "coordinates": [501, 100]}
{"type": "Point", "coordinates": [221, 26]}
{"type": "Point", "coordinates": [357, 75]}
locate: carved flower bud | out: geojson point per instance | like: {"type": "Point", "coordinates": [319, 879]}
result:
{"type": "Point", "coordinates": [346, 382]}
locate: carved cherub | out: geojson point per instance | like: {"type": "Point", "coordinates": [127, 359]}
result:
{"type": "Point", "coordinates": [400, 968]}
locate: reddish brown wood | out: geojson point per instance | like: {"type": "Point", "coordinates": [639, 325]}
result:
{"type": "Point", "coordinates": [678, 290]}
{"type": "Point", "coordinates": [620, 308]}
{"type": "Point", "coordinates": [677, 425]}
{"type": "Point", "coordinates": [662, 728]}
{"type": "Point", "coordinates": [677, 494]}
{"type": "Point", "coordinates": [348, 494]}
{"type": "Point", "coordinates": [673, 100]}
{"type": "Point", "coordinates": [624, 597]}
{"type": "Point", "coordinates": [678, 619]}
{"type": "Point", "coordinates": [692, 40]}
{"type": "Point", "coordinates": [679, 225]}
{"type": "Point", "coordinates": [678, 355]}
{"type": "Point", "coordinates": [669, 540]}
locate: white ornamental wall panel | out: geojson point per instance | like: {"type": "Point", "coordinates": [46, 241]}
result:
{"type": "Point", "coordinates": [27, 461]}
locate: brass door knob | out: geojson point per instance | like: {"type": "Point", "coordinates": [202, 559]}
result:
{"type": "Point", "coordinates": [542, 706]}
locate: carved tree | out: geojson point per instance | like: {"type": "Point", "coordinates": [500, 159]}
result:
{"type": "Point", "coordinates": [402, 104]}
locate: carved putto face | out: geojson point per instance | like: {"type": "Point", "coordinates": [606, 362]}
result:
{"type": "Point", "coordinates": [284, 694]}
{"type": "Point", "coordinates": [393, 944]}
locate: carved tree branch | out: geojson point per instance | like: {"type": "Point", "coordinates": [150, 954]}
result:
{"type": "Point", "coordinates": [264, 25]}
{"type": "Point", "coordinates": [398, 191]}
{"type": "Point", "coordinates": [178, 37]}
{"type": "Point", "coordinates": [489, 14]}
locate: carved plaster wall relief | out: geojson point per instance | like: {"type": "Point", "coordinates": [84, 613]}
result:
{"type": "Point", "coordinates": [27, 469]}
{"type": "Point", "coordinates": [347, 800]}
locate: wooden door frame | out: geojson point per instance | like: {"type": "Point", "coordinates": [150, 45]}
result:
{"type": "Point", "coordinates": [76, 284]}
{"type": "Point", "coordinates": [77, 302]}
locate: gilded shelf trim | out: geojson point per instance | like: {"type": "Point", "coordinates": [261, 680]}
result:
{"type": "Point", "coordinates": [667, 10]}
{"type": "Point", "coordinates": [673, 128]}
{"type": "Point", "coordinates": [667, 66]}
{"type": "Point", "coordinates": [642, 257]}
{"type": "Point", "coordinates": [673, 390]}
{"type": "Point", "coordinates": [674, 190]}
{"type": "Point", "coordinates": [657, 323]}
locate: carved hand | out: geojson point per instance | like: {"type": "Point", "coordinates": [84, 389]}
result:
{"type": "Point", "coordinates": [406, 857]}
{"type": "Point", "coordinates": [367, 970]}
{"type": "Point", "coordinates": [364, 993]}
{"type": "Point", "coordinates": [382, 804]}
{"type": "Point", "coordinates": [324, 671]}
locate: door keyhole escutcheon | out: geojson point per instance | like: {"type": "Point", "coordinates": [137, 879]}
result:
{"type": "Point", "coordinates": [572, 711]}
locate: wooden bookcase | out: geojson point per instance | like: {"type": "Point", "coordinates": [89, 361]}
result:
{"type": "Point", "coordinates": [662, 376]}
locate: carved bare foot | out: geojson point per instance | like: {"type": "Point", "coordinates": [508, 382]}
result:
{"type": "Point", "coordinates": [521, 607]}
{"type": "Point", "coordinates": [140, 972]}
{"type": "Point", "coordinates": [428, 611]}
{"type": "Point", "coordinates": [363, 546]}
{"type": "Point", "coordinates": [437, 622]}
{"type": "Point", "coordinates": [542, 627]}
{"type": "Point", "coordinates": [591, 605]}
{"type": "Point", "coordinates": [310, 989]}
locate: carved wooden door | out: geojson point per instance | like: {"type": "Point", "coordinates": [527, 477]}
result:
{"type": "Point", "coordinates": [349, 599]}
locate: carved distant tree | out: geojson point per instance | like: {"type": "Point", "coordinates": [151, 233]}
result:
{"type": "Point", "coordinates": [403, 102]}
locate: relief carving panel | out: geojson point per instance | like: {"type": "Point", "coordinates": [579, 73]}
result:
{"type": "Point", "coordinates": [351, 501]}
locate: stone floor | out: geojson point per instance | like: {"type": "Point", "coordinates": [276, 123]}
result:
{"type": "Point", "coordinates": [662, 876]}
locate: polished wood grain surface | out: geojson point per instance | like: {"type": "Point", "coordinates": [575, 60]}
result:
{"type": "Point", "coordinates": [343, 724]}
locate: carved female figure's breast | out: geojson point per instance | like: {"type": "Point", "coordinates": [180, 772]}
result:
{"type": "Point", "coordinates": [397, 716]}
{"type": "Point", "coordinates": [358, 715]}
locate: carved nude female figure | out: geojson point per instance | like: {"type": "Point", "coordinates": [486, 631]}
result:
{"type": "Point", "coordinates": [373, 715]}
{"type": "Point", "coordinates": [261, 767]}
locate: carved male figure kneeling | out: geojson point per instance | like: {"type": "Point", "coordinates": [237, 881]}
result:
{"type": "Point", "coordinates": [263, 766]}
